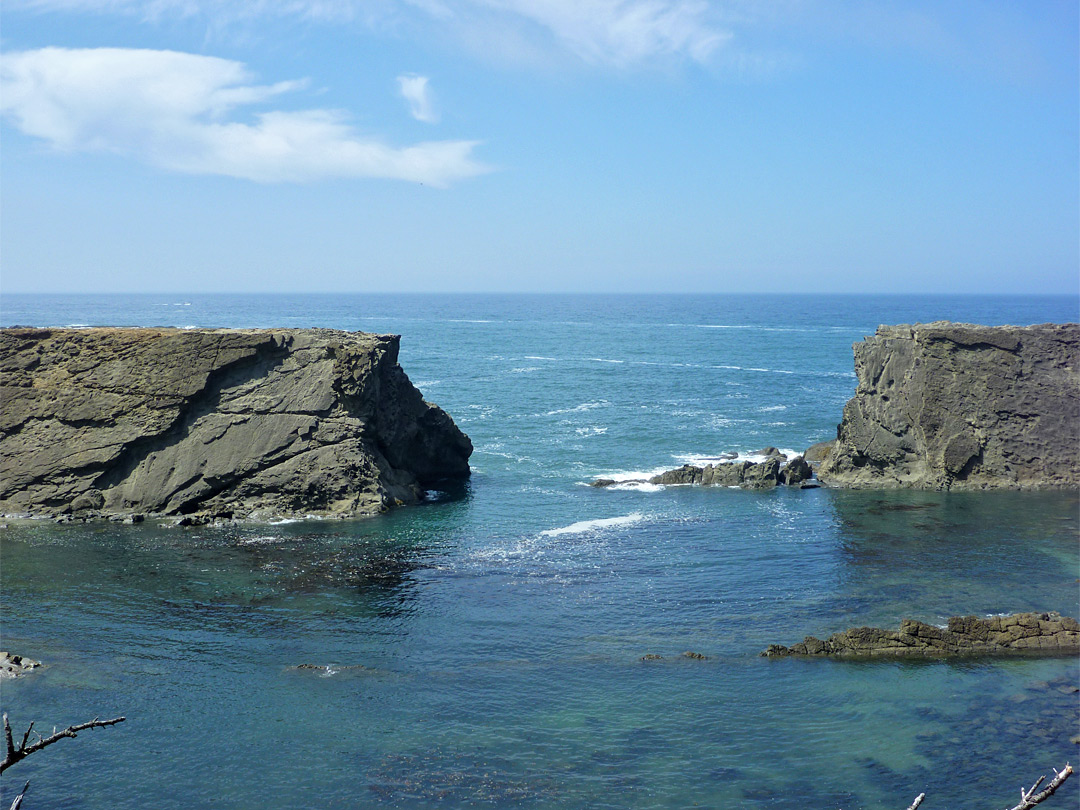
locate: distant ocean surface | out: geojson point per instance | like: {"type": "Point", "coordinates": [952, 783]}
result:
{"type": "Point", "coordinates": [484, 649]}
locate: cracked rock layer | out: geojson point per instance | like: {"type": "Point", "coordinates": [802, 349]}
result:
{"type": "Point", "coordinates": [248, 422]}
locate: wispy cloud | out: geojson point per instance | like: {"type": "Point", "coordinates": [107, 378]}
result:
{"type": "Point", "coordinates": [605, 32]}
{"type": "Point", "coordinates": [415, 90]}
{"type": "Point", "coordinates": [620, 32]}
{"type": "Point", "coordinates": [173, 110]}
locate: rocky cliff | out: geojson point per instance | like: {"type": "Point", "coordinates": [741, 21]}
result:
{"type": "Point", "coordinates": [243, 422]}
{"type": "Point", "coordinates": [957, 406]}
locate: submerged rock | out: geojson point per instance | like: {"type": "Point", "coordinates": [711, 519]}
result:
{"type": "Point", "coordinates": [1046, 633]}
{"type": "Point", "coordinates": [214, 423]}
{"type": "Point", "coordinates": [959, 406]}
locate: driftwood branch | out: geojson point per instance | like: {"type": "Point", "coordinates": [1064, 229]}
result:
{"type": "Point", "coordinates": [1028, 798]}
{"type": "Point", "coordinates": [15, 805]}
{"type": "Point", "coordinates": [14, 754]}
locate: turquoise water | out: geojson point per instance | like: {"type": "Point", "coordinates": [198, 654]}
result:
{"type": "Point", "coordinates": [484, 649]}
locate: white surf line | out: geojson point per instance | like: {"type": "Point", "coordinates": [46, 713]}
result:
{"type": "Point", "coordinates": [583, 526]}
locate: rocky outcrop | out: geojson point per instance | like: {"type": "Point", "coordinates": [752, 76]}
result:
{"type": "Point", "coordinates": [744, 474]}
{"type": "Point", "coordinates": [15, 666]}
{"type": "Point", "coordinates": [957, 406]}
{"type": "Point", "coordinates": [240, 422]}
{"type": "Point", "coordinates": [816, 453]}
{"type": "Point", "coordinates": [1046, 633]}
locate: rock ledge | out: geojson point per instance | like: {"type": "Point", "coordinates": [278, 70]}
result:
{"type": "Point", "coordinates": [1046, 633]}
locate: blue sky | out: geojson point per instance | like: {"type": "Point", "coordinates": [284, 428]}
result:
{"type": "Point", "coordinates": [520, 145]}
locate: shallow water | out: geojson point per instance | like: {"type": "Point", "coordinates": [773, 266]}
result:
{"type": "Point", "coordinates": [484, 649]}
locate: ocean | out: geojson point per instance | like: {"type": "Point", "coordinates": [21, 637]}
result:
{"type": "Point", "coordinates": [484, 648]}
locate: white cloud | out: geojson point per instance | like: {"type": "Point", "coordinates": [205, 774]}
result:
{"type": "Point", "coordinates": [173, 110]}
{"type": "Point", "coordinates": [414, 89]}
{"type": "Point", "coordinates": [609, 32]}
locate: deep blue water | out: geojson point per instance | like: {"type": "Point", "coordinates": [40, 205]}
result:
{"type": "Point", "coordinates": [485, 647]}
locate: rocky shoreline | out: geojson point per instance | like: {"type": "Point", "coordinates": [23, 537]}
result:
{"type": "Point", "coordinates": [1018, 633]}
{"type": "Point", "coordinates": [942, 406]}
{"type": "Point", "coordinates": [204, 424]}
{"type": "Point", "coordinates": [201, 425]}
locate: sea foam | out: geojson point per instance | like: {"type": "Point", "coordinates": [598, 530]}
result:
{"type": "Point", "coordinates": [585, 526]}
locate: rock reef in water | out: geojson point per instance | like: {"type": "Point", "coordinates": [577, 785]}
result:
{"type": "Point", "coordinates": [743, 474]}
{"type": "Point", "coordinates": [959, 406]}
{"type": "Point", "coordinates": [1045, 633]}
{"type": "Point", "coordinates": [15, 666]}
{"type": "Point", "coordinates": [220, 422]}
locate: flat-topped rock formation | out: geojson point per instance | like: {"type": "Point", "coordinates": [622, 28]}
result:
{"type": "Point", "coordinates": [958, 406]}
{"type": "Point", "coordinates": [1045, 633]}
{"type": "Point", "coordinates": [222, 422]}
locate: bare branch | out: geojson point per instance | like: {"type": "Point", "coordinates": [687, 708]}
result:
{"type": "Point", "coordinates": [9, 745]}
{"type": "Point", "coordinates": [1029, 798]}
{"type": "Point", "coordinates": [15, 754]}
{"type": "Point", "coordinates": [26, 736]}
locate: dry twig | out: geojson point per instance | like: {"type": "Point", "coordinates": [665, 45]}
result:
{"type": "Point", "coordinates": [13, 754]}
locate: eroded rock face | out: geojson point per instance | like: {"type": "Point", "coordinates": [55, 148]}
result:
{"type": "Point", "coordinates": [958, 406]}
{"type": "Point", "coordinates": [1046, 633]}
{"type": "Point", "coordinates": [247, 422]}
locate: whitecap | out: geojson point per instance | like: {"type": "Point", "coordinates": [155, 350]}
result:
{"type": "Point", "coordinates": [539, 357]}
{"type": "Point", "coordinates": [261, 540]}
{"type": "Point", "coordinates": [718, 326]}
{"type": "Point", "coordinates": [605, 360]}
{"type": "Point", "coordinates": [768, 408]}
{"type": "Point", "coordinates": [584, 526]}
{"type": "Point", "coordinates": [524, 370]}
{"type": "Point", "coordinates": [584, 406]}
{"type": "Point", "coordinates": [632, 475]}
{"type": "Point", "coordinates": [636, 486]}
{"type": "Point", "coordinates": [591, 430]}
